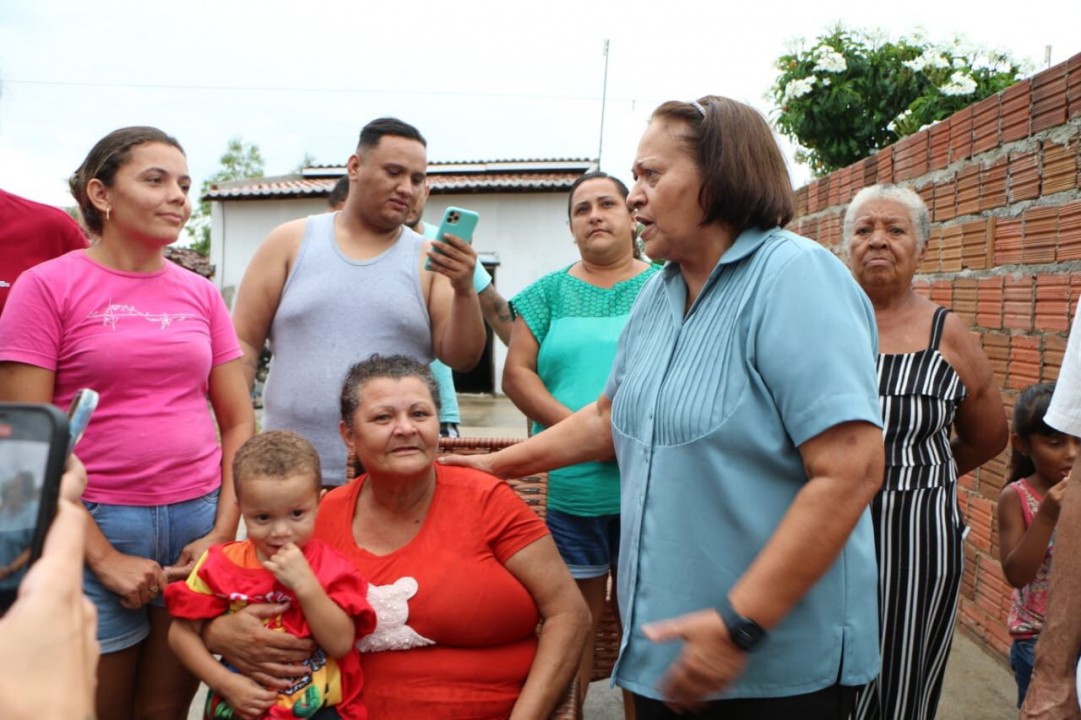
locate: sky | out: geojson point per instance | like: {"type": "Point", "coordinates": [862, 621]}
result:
{"type": "Point", "coordinates": [481, 79]}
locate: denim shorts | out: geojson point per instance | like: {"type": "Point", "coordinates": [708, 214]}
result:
{"type": "Point", "coordinates": [158, 533]}
{"type": "Point", "coordinates": [589, 545]}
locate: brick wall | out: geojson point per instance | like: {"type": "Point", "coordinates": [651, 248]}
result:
{"type": "Point", "coordinates": [1002, 181]}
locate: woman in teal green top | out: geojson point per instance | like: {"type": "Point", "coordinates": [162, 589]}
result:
{"type": "Point", "coordinates": [560, 355]}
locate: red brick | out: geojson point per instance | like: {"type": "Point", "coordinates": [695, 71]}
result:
{"type": "Point", "coordinates": [812, 197]}
{"type": "Point", "coordinates": [942, 292]}
{"type": "Point", "coordinates": [884, 165]}
{"type": "Point", "coordinates": [1069, 232]}
{"type": "Point", "coordinates": [822, 187]}
{"type": "Point", "coordinates": [968, 190]}
{"type": "Point", "coordinates": [945, 202]}
{"type": "Point", "coordinates": [836, 182]}
{"type": "Point", "coordinates": [985, 115]}
{"type": "Point", "coordinates": [931, 262]}
{"type": "Point", "coordinates": [997, 348]}
{"type": "Point", "coordinates": [1049, 98]}
{"type": "Point", "coordinates": [977, 242]}
{"type": "Point", "coordinates": [989, 302]}
{"type": "Point", "coordinates": [910, 156]}
{"type": "Point", "coordinates": [964, 300]}
{"type": "Point", "coordinates": [922, 288]}
{"type": "Point", "coordinates": [1054, 348]}
{"type": "Point", "coordinates": [993, 186]}
{"type": "Point", "coordinates": [978, 517]}
{"type": "Point", "coordinates": [1073, 85]}
{"type": "Point", "coordinates": [1052, 303]}
{"type": "Point", "coordinates": [1008, 239]}
{"type": "Point", "coordinates": [939, 146]}
{"type": "Point", "coordinates": [960, 135]}
{"type": "Point", "coordinates": [1040, 234]}
{"type": "Point", "coordinates": [1017, 302]}
{"type": "Point", "coordinates": [801, 202]}
{"type": "Point", "coordinates": [951, 249]}
{"type": "Point", "coordinates": [993, 477]}
{"type": "Point", "coordinates": [1024, 183]}
{"type": "Point", "coordinates": [1015, 111]}
{"type": "Point", "coordinates": [1059, 168]}
{"type": "Point", "coordinates": [1024, 361]}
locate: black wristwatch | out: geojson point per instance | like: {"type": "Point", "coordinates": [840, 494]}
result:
{"type": "Point", "coordinates": [746, 634]}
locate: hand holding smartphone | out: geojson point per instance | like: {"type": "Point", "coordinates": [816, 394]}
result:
{"type": "Point", "coordinates": [458, 222]}
{"type": "Point", "coordinates": [35, 441]}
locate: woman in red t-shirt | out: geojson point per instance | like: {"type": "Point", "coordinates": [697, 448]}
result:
{"type": "Point", "coordinates": [460, 571]}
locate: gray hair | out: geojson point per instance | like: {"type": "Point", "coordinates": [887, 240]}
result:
{"type": "Point", "coordinates": [918, 213]}
{"type": "Point", "coordinates": [395, 367]}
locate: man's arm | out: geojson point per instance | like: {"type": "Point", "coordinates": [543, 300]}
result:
{"type": "Point", "coordinates": [260, 292]}
{"type": "Point", "coordinates": [496, 311]}
{"type": "Point", "coordinates": [458, 335]}
{"type": "Point", "coordinates": [1052, 692]}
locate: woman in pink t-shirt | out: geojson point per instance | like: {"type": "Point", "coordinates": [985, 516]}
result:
{"type": "Point", "coordinates": [156, 342]}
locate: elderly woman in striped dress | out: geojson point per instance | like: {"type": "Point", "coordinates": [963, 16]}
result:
{"type": "Point", "coordinates": [943, 417]}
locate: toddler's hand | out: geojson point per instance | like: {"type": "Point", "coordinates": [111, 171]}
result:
{"type": "Point", "coordinates": [246, 697]}
{"type": "Point", "coordinates": [291, 568]}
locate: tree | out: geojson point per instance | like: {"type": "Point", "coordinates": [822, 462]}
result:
{"type": "Point", "coordinates": [851, 93]}
{"type": "Point", "coordinates": [241, 160]}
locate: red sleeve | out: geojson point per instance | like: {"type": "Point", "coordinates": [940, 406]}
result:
{"type": "Point", "coordinates": [509, 523]}
{"type": "Point", "coordinates": [346, 587]}
{"type": "Point", "coordinates": [193, 599]}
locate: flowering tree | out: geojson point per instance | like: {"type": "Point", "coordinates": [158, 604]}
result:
{"type": "Point", "coordinates": [851, 93]}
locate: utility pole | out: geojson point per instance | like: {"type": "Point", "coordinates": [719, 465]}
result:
{"type": "Point", "coordinates": [604, 101]}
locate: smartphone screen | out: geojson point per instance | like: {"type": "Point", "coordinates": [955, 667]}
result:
{"type": "Point", "coordinates": [30, 469]}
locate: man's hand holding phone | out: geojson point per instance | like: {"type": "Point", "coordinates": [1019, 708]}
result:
{"type": "Point", "coordinates": [454, 258]}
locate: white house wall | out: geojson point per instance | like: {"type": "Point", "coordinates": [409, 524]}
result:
{"type": "Point", "coordinates": [527, 231]}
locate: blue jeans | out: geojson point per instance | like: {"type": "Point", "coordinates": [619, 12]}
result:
{"type": "Point", "coordinates": [1022, 655]}
{"type": "Point", "coordinates": [158, 533]}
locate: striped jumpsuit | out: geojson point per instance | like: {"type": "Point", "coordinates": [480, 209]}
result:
{"type": "Point", "coordinates": [918, 532]}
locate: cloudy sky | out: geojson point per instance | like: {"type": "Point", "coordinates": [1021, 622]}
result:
{"type": "Point", "coordinates": [483, 80]}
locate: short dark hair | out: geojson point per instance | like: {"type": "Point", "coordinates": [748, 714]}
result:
{"type": "Point", "coordinates": [339, 192]}
{"type": "Point", "coordinates": [276, 454]}
{"type": "Point", "coordinates": [745, 180]}
{"type": "Point", "coordinates": [621, 188]}
{"type": "Point", "coordinates": [110, 154]}
{"type": "Point", "coordinates": [374, 131]}
{"type": "Point", "coordinates": [376, 366]}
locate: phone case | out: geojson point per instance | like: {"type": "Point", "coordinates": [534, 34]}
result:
{"type": "Point", "coordinates": [458, 222]}
{"type": "Point", "coordinates": [45, 424]}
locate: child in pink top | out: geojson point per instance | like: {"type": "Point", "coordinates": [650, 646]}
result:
{"type": "Point", "coordinates": [156, 342]}
{"type": "Point", "coordinates": [1028, 510]}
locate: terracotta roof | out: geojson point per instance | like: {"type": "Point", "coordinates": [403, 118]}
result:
{"type": "Point", "coordinates": [456, 177]}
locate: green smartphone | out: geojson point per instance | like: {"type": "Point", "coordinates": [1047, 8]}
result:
{"type": "Point", "coordinates": [458, 222]}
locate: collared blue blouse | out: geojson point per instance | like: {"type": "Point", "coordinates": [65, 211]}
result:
{"type": "Point", "coordinates": [709, 410]}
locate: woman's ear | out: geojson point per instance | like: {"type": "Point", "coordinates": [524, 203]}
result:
{"type": "Point", "coordinates": [98, 195]}
{"type": "Point", "coordinates": [1019, 444]}
{"type": "Point", "coordinates": [343, 430]}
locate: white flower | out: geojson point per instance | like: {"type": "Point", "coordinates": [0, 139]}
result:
{"type": "Point", "coordinates": [930, 58]}
{"type": "Point", "coordinates": [892, 126]}
{"type": "Point", "coordinates": [798, 88]}
{"type": "Point", "coordinates": [959, 84]}
{"type": "Point", "coordinates": [829, 60]}
{"type": "Point", "coordinates": [915, 65]}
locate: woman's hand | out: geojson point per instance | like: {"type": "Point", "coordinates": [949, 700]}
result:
{"type": "Point", "coordinates": [482, 462]}
{"type": "Point", "coordinates": [708, 663]}
{"type": "Point", "coordinates": [247, 698]}
{"type": "Point", "coordinates": [194, 550]}
{"type": "Point", "coordinates": [272, 659]}
{"type": "Point", "coordinates": [137, 580]}
{"type": "Point", "coordinates": [49, 657]}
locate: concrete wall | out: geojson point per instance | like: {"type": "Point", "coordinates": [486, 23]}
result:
{"type": "Point", "coordinates": [1002, 180]}
{"type": "Point", "coordinates": [527, 232]}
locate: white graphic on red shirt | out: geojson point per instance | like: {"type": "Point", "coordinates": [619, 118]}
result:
{"type": "Point", "coordinates": [391, 605]}
{"type": "Point", "coordinates": [112, 314]}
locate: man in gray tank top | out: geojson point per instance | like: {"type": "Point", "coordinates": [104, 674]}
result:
{"type": "Point", "coordinates": [330, 290]}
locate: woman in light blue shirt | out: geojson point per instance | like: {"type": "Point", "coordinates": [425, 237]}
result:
{"type": "Point", "coordinates": [743, 411]}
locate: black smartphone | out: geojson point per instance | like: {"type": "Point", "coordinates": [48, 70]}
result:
{"type": "Point", "coordinates": [33, 449]}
